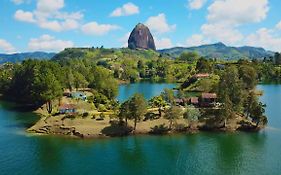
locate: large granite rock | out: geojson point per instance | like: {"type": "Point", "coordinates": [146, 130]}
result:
{"type": "Point", "coordinates": [141, 38]}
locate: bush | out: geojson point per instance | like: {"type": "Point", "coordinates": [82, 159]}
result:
{"type": "Point", "coordinates": [161, 129]}
{"type": "Point", "coordinates": [85, 114]}
{"type": "Point", "coordinates": [180, 128]}
{"type": "Point", "coordinates": [149, 116]}
{"type": "Point", "coordinates": [69, 117]}
{"type": "Point", "coordinates": [102, 116]}
{"type": "Point", "coordinates": [102, 108]}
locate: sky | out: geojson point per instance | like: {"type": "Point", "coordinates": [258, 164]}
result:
{"type": "Point", "coordinates": [52, 25]}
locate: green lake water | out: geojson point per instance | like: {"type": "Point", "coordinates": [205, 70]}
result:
{"type": "Point", "coordinates": [147, 89]}
{"type": "Point", "coordinates": [202, 153]}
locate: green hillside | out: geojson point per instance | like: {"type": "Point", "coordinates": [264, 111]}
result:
{"type": "Point", "coordinates": [221, 51]}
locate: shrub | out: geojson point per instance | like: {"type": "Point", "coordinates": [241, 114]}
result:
{"type": "Point", "coordinates": [102, 108]}
{"type": "Point", "coordinates": [69, 117]}
{"type": "Point", "coordinates": [180, 128]}
{"type": "Point", "coordinates": [85, 114]}
{"type": "Point", "coordinates": [161, 129]}
{"type": "Point", "coordinates": [102, 116]}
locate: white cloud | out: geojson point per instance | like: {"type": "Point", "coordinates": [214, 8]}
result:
{"type": "Point", "coordinates": [93, 28]}
{"type": "Point", "coordinates": [163, 43]}
{"type": "Point", "coordinates": [17, 2]}
{"type": "Point", "coordinates": [196, 40]}
{"type": "Point", "coordinates": [226, 16]}
{"type": "Point", "coordinates": [49, 6]}
{"type": "Point", "coordinates": [57, 26]}
{"type": "Point", "coordinates": [126, 10]}
{"type": "Point", "coordinates": [48, 15]}
{"type": "Point", "coordinates": [124, 39]}
{"type": "Point", "coordinates": [220, 32]}
{"type": "Point", "coordinates": [159, 24]}
{"type": "Point", "coordinates": [278, 26]}
{"type": "Point", "coordinates": [21, 15]}
{"type": "Point", "coordinates": [237, 12]}
{"type": "Point", "coordinates": [48, 43]}
{"type": "Point", "coordinates": [265, 38]}
{"type": "Point", "coordinates": [196, 4]}
{"type": "Point", "coordinates": [6, 46]}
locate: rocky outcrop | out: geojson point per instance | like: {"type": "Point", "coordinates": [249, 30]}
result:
{"type": "Point", "coordinates": [141, 38]}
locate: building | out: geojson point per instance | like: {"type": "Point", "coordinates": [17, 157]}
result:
{"type": "Point", "coordinates": [78, 95]}
{"type": "Point", "coordinates": [194, 101]}
{"type": "Point", "coordinates": [208, 99]}
{"type": "Point", "coordinates": [201, 75]}
{"type": "Point", "coordinates": [67, 109]}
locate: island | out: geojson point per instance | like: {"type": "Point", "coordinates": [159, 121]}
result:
{"type": "Point", "coordinates": [75, 92]}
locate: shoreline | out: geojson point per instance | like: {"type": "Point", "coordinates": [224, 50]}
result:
{"type": "Point", "coordinates": [87, 128]}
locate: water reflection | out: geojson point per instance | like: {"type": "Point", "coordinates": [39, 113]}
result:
{"type": "Point", "coordinates": [202, 153]}
{"type": "Point", "coordinates": [146, 88]}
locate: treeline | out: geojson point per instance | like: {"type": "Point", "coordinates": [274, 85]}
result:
{"type": "Point", "coordinates": [35, 82]}
{"type": "Point", "coordinates": [135, 65]}
{"type": "Point", "coordinates": [238, 95]}
{"type": "Point", "coordinates": [131, 65]}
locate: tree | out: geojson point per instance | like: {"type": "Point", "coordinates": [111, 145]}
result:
{"type": "Point", "coordinates": [249, 76]}
{"type": "Point", "coordinates": [138, 108]}
{"type": "Point", "coordinates": [35, 83]}
{"type": "Point", "coordinates": [192, 115]}
{"type": "Point", "coordinates": [226, 112]}
{"type": "Point", "coordinates": [124, 112]}
{"type": "Point", "coordinates": [255, 109]}
{"type": "Point", "coordinates": [6, 75]}
{"type": "Point", "coordinates": [104, 82]}
{"type": "Point", "coordinates": [189, 56]}
{"type": "Point", "coordinates": [203, 65]}
{"type": "Point", "coordinates": [277, 58]}
{"type": "Point", "coordinates": [168, 96]}
{"type": "Point", "coordinates": [231, 93]}
{"type": "Point", "coordinates": [257, 114]}
{"type": "Point", "coordinates": [231, 89]}
{"type": "Point", "coordinates": [173, 113]}
{"type": "Point", "coordinates": [69, 79]}
{"type": "Point", "coordinates": [48, 88]}
{"type": "Point", "coordinates": [79, 81]}
{"type": "Point", "coordinates": [158, 102]}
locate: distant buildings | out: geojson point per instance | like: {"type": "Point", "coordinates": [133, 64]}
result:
{"type": "Point", "coordinates": [67, 109]}
{"type": "Point", "coordinates": [205, 100]}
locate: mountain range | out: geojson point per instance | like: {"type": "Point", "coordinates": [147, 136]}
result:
{"type": "Point", "coordinates": [18, 57]}
{"type": "Point", "coordinates": [221, 51]}
{"type": "Point", "coordinates": [218, 50]}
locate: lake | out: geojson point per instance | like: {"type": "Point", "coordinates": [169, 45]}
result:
{"type": "Point", "coordinates": [146, 88]}
{"type": "Point", "coordinates": [202, 153]}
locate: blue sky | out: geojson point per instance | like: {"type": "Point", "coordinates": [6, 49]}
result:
{"type": "Point", "coordinates": [52, 25]}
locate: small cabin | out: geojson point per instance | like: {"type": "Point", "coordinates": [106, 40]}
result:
{"type": "Point", "coordinates": [79, 95]}
{"type": "Point", "coordinates": [179, 101]}
{"type": "Point", "coordinates": [67, 109]}
{"type": "Point", "coordinates": [208, 99]}
{"type": "Point", "coordinates": [194, 101]}
{"type": "Point", "coordinates": [201, 75]}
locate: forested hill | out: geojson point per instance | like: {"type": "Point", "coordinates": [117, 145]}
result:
{"type": "Point", "coordinates": [218, 50]}
{"type": "Point", "coordinates": [221, 51]}
{"type": "Point", "coordinates": [18, 57]}
{"type": "Point", "coordinates": [104, 55]}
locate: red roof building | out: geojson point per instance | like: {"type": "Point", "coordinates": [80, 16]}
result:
{"type": "Point", "coordinates": [201, 75]}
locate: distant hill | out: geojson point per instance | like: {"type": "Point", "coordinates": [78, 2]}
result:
{"type": "Point", "coordinates": [220, 50]}
{"type": "Point", "coordinates": [18, 57]}
{"type": "Point", "coordinates": [102, 54]}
